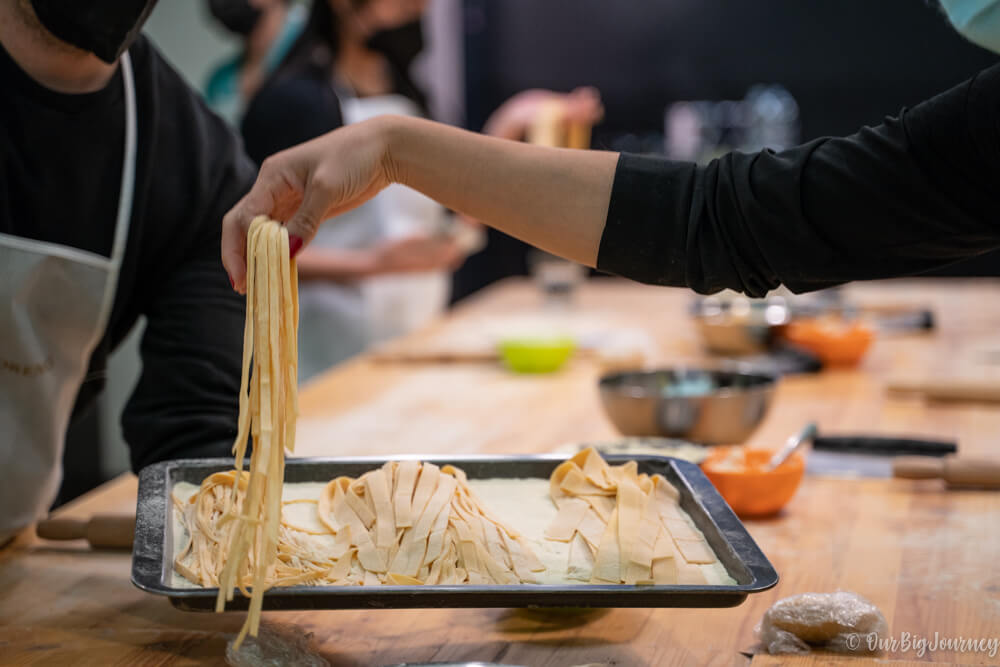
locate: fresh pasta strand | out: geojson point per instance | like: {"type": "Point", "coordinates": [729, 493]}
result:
{"type": "Point", "coordinates": [268, 410]}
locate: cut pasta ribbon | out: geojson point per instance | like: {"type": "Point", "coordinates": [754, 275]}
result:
{"type": "Point", "coordinates": [243, 537]}
{"type": "Point", "coordinates": [624, 527]}
{"type": "Point", "coordinates": [406, 523]}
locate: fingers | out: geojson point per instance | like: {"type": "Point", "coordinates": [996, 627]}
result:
{"type": "Point", "coordinates": [584, 105]}
{"type": "Point", "coordinates": [587, 91]}
{"type": "Point", "coordinates": [304, 223]}
{"type": "Point", "coordinates": [418, 254]}
{"type": "Point", "coordinates": [259, 201]}
{"type": "Point", "coordinates": [448, 255]}
{"type": "Point", "coordinates": [455, 256]}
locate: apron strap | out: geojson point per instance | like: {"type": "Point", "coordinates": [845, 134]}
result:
{"type": "Point", "coordinates": [126, 194]}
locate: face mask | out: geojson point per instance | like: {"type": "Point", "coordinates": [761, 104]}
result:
{"type": "Point", "coordinates": [238, 16]}
{"type": "Point", "coordinates": [104, 27]}
{"type": "Point", "coordinates": [977, 20]}
{"type": "Point", "coordinates": [399, 45]}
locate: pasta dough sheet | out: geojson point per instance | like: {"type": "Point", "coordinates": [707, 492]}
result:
{"type": "Point", "coordinates": [523, 504]}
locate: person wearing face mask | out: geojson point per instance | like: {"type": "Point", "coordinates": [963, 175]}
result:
{"type": "Point", "coordinates": [915, 192]}
{"type": "Point", "coordinates": [113, 179]}
{"type": "Point", "coordinates": [267, 29]}
{"type": "Point", "coordinates": [383, 269]}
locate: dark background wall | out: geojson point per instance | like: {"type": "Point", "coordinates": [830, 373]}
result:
{"type": "Point", "coordinates": [848, 63]}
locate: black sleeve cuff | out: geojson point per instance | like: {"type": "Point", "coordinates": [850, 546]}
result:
{"type": "Point", "coordinates": [645, 237]}
{"type": "Point", "coordinates": [677, 224]}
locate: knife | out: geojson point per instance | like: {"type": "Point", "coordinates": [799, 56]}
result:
{"type": "Point", "coordinates": [868, 456]}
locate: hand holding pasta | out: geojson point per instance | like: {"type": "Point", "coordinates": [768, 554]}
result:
{"type": "Point", "coordinates": [306, 185]}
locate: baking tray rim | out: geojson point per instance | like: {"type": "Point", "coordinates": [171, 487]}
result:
{"type": "Point", "coordinates": [151, 522]}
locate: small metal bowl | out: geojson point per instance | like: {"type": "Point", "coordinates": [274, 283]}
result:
{"type": "Point", "coordinates": [719, 406]}
{"type": "Point", "coordinates": [739, 326]}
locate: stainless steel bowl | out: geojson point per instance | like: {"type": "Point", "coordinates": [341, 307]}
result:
{"type": "Point", "coordinates": [720, 406]}
{"type": "Point", "coordinates": [738, 325]}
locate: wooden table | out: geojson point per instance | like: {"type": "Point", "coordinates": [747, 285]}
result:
{"type": "Point", "coordinates": [928, 558]}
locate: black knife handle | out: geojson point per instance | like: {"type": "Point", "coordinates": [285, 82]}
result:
{"type": "Point", "coordinates": [884, 446]}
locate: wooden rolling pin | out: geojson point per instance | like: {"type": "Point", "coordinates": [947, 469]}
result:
{"type": "Point", "coordinates": [955, 471]}
{"type": "Point", "coordinates": [578, 135]}
{"type": "Point", "coordinates": [552, 128]}
{"type": "Point", "coordinates": [102, 531]}
{"type": "Point", "coordinates": [952, 389]}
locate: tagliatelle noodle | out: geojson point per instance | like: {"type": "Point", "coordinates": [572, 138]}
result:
{"type": "Point", "coordinates": [268, 411]}
{"type": "Point", "coordinates": [624, 527]}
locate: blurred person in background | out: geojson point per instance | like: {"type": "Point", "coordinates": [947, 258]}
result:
{"type": "Point", "coordinates": [917, 191]}
{"type": "Point", "coordinates": [114, 176]}
{"type": "Point", "coordinates": [266, 29]}
{"type": "Point", "coordinates": [383, 269]}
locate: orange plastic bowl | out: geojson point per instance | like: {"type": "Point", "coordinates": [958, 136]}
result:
{"type": "Point", "coordinates": [738, 475]}
{"type": "Point", "coordinates": [836, 343]}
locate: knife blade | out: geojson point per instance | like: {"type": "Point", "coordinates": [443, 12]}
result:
{"type": "Point", "coordinates": [841, 464]}
{"type": "Point", "coordinates": [868, 456]}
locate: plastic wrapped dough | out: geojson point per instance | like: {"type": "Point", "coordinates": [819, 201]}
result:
{"type": "Point", "coordinates": [839, 622]}
{"type": "Point", "coordinates": [274, 649]}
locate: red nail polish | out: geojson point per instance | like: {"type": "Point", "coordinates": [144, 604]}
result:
{"type": "Point", "coordinates": [231, 283]}
{"type": "Point", "coordinates": [294, 245]}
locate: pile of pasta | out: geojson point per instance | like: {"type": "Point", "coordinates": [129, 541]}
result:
{"type": "Point", "coordinates": [251, 515]}
{"type": "Point", "coordinates": [406, 523]}
{"type": "Point", "coordinates": [623, 526]}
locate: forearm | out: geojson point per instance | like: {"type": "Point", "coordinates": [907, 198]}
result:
{"type": "Point", "coordinates": [556, 199]}
{"type": "Point", "coordinates": [335, 264]}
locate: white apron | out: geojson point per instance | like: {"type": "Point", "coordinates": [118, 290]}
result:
{"type": "Point", "coordinates": [54, 307]}
{"type": "Point", "coordinates": [339, 321]}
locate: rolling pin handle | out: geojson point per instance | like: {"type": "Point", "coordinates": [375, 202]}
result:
{"type": "Point", "coordinates": [956, 471]}
{"type": "Point", "coordinates": [111, 531]}
{"type": "Point", "coordinates": [979, 473]}
{"type": "Point", "coordinates": [917, 467]}
{"type": "Point", "coordinates": [61, 529]}
{"type": "Point", "coordinates": [103, 531]}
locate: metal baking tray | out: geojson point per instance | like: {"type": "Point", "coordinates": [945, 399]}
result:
{"type": "Point", "coordinates": [152, 554]}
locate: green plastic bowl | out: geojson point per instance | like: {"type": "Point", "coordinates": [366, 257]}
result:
{"type": "Point", "coordinates": [536, 355]}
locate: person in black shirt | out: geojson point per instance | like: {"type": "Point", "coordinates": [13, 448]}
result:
{"type": "Point", "coordinates": [918, 191]}
{"type": "Point", "coordinates": [113, 180]}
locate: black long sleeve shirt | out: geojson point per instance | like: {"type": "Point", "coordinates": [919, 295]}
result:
{"type": "Point", "coordinates": [60, 169]}
{"type": "Point", "coordinates": [290, 110]}
{"type": "Point", "coordinates": [909, 195]}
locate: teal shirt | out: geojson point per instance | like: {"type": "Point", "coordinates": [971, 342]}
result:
{"type": "Point", "coordinates": [222, 91]}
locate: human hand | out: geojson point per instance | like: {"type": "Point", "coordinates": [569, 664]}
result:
{"type": "Point", "coordinates": [416, 254]}
{"type": "Point", "coordinates": [308, 184]}
{"type": "Point", "coordinates": [512, 119]}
